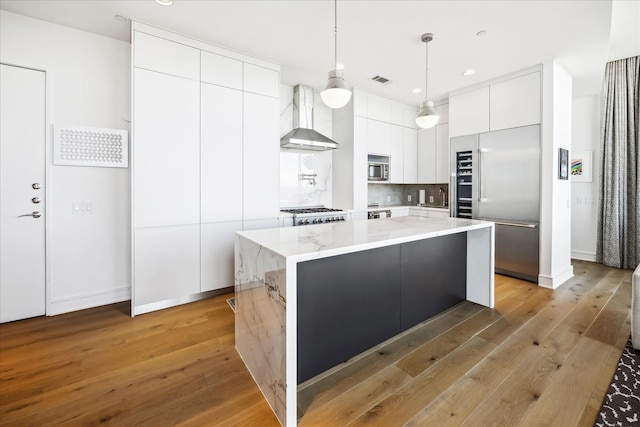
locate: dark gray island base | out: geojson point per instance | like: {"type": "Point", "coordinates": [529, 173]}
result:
{"type": "Point", "coordinates": [350, 303]}
{"type": "Point", "coordinates": [309, 298]}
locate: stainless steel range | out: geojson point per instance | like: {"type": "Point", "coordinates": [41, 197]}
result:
{"type": "Point", "coordinates": [316, 215]}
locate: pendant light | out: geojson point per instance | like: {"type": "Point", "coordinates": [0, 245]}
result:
{"type": "Point", "coordinates": [427, 116]}
{"type": "Point", "coordinates": [335, 94]}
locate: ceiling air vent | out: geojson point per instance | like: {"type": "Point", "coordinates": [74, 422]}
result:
{"type": "Point", "coordinates": [380, 79]}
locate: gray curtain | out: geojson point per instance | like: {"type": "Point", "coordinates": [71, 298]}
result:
{"type": "Point", "coordinates": [619, 206]}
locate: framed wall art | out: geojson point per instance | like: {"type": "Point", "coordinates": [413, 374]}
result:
{"type": "Point", "coordinates": [582, 166]}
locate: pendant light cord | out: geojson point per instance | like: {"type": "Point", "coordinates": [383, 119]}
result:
{"type": "Point", "coordinates": [335, 33]}
{"type": "Point", "coordinates": [426, 70]}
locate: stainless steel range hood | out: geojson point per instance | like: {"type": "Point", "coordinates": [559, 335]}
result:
{"type": "Point", "coordinates": [303, 137]}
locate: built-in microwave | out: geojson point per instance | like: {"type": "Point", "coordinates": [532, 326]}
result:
{"type": "Point", "coordinates": [378, 169]}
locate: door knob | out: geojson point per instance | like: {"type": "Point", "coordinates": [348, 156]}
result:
{"type": "Point", "coordinates": [35, 186]}
{"type": "Point", "coordinates": [36, 200]}
{"type": "Point", "coordinates": [34, 214]}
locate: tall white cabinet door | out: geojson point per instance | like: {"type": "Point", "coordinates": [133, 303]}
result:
{"type": "Point", "coordinates": [262, 81]}
{"type": "Point", "coordinates": [261, 157]}
{"type": "Point", "coordinates": [217, 255]}
{"type": "Point", "coordinates": [396, 161]}
{"type": "Point", "coordinates": [221, 154]}
{"type": "Point", "coordinates": [378, 137]}
{"type": "Point", "coordinates": [167, 264]}
{"type": "Point", "coordinates": [166, 150]}
{"type": "Point", "coordinates": [410, 143]}
{"type": "Point", "coordinates": [469, 112]}
{"type": "Point", "coordinates": [515, 102]}
{"type": "Point", "coordinates": [442, 154]}
{"type": "Point", "coordinates": [426, 156]}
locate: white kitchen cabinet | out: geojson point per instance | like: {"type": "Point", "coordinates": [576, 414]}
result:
{"type": "Point", "coordinates": [426, 156]}
{"type": "Point", "coordinates": [515, 102]}
{"type": "Point", "coordinates": [378, 137]}
{"type": "Point", "coordinates": [261, 81]}
{"type": "Point", "coordinates": [469, 112]}
{"type": "Point", "coordinates": [396, 158]}
{"type": "Point", "coordinates": [378, 108]}
{"type": "Point", "coordinates": [221, 70]}
{"type": "Point", "coordinates": [261, 157]}
{"type": "Point", "coordinates": [220, 154]}
{"type": "Point", "coordinates": [166, 264]}
{"type": "Point", "coordinates": [217, 251]}
{"type": "Point", "coordinates": [443, 111]}
{"type": "Point", "coordinates": [158, 54]}
{"type": "Point", "coordinates": [260, 224]}
{"type": "Point", "coordinates": [409, 117]}
{"type": "Point", "coordinates": [397, 113]}
{"type": "Point", "coordinates": [359, 103]}
{"type": "Point", "coordinates": [429, 212]}
{"type": "Point", "coordinates": [410, 155]}
{"type": "Point", "coordinates": [442, 154]}
{"type": "Point", "coordinates": [166, 150]}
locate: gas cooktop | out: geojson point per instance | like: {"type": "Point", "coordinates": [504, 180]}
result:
{"type": "Point", "coordinates": [315, 215]}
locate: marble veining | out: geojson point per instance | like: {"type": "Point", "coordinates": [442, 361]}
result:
{"type": "Point", "coordinates": [260, 327]}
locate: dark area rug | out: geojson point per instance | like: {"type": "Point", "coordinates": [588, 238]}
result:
{"type": "Point", "coordinates": [621, 406]}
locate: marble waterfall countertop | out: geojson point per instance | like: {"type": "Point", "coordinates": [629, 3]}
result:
{"type": "Point", "coordinates": [324, 240]}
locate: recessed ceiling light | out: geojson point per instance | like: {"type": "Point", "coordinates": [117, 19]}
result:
{"type": "Point", "coordinates": [417, 90]}
{"type": "Point", "coordinates": [469, 72]}
{"type": "Point", "coordinates": [165, 2]}
{"type": "Point", "coordinates": [120, 18]}
{"type": "Point", "coordinates": [479, 33]}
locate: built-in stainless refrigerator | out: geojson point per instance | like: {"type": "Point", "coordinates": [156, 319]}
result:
{"type": "Point", "coordinates": [496, 177]}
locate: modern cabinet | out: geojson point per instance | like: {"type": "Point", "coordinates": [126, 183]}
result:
{"type": "Point", "coordinates": [168, 57]}
{"type": "Point", "coordinates": [221, 70]}
{"type": "Point", "coordinates": [166, 150]}
{"type": "Point", "coordinates": [378, 137]}
{"type": "Point", "coordinates": [469, 112]}
{"type": "Point", "coordinates": [217, 241]}
{"type": "Point", "coordinates": [167, 264]}
{"type": "Point", "coordinates": [515, 102]}
{"type": "Point", "coordinates": [442, 154]}
{"type": "Point", "coordinates": [426, 156]}
{"type": "Point", "coordinates": [261, 127]}
{"type": "Point", "coordinates": [221, 151]}
{"type": "Point", "coordinates": [396, 158]}
{"type": "Point", "coordinates": [410, 144]}
{"type": "Point", "coordinates": [205, 155]}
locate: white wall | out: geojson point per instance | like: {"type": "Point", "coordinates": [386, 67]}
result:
{"type": "Point", "coordinates": [555, 209]}
{"type": "Point", "coordinates": [584, 195]}
{"type": "Point", "coordinates": [293, 191]}
{"type": "Point", "coordinates": [88, 84]}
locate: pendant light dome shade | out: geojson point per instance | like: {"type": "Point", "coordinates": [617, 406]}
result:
{"type": "Point", "coordinates": [335, 94]}
{"type": "Point", "coordinates": [427, 116]}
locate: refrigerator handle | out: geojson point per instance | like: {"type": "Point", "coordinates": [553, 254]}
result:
{"type": "Point", "coordinates": [481, 152]}
{"type": "Point", "coordinates": [453, 195]}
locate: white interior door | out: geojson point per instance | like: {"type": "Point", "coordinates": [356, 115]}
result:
{"type": "Point", "coordinates": [22, 201]}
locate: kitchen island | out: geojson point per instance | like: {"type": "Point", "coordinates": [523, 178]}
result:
{"type": "Point", "coordinates": [311, 297]}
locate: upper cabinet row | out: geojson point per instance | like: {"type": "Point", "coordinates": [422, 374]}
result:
{"type": "Point", "coordinates": [166, 56]}
{"type": "Point", "coordinates": [492, 108]}
{"type": "Point", "coordinates": [383, 110]}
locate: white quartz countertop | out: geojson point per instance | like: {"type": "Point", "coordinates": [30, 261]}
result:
{"type": "Point", "coordinates": [324, 240]}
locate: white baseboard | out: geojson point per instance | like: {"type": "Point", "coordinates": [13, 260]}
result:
{"type": "Point", "coordinates": [583, 256]}
{"type": "Point", "coordinates": [81, 302]}
{"type": "Point", "coordinates": [555, 281]}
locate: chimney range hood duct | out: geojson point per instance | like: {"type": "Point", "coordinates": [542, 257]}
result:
{"type": "Point", "coordinates": [303, 137]}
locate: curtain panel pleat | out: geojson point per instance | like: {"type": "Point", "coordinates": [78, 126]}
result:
{"type": "Point", "coordinates": [618, 239]}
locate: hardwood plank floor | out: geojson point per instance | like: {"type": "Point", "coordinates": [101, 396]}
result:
{"type": "Point", "coordinates": [541, 357]}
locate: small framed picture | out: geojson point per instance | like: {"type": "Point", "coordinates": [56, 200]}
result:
{"type": "Point", "coordinates": [563, 164]}
{"type": "Point", "coordinates": [581, 166]}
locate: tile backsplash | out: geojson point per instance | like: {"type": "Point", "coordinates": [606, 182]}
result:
{"type": "Point", "coordinates": [398, 194]}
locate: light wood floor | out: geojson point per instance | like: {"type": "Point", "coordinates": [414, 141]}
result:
{"type": "Point", "coordinates": [541, 357]}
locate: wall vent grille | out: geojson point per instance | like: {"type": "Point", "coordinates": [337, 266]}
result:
{"type": "Point", "coordinates": [380, 79]}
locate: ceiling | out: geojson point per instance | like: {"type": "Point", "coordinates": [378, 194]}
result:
{"type": "Point", "coordinates": [380, 37]}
